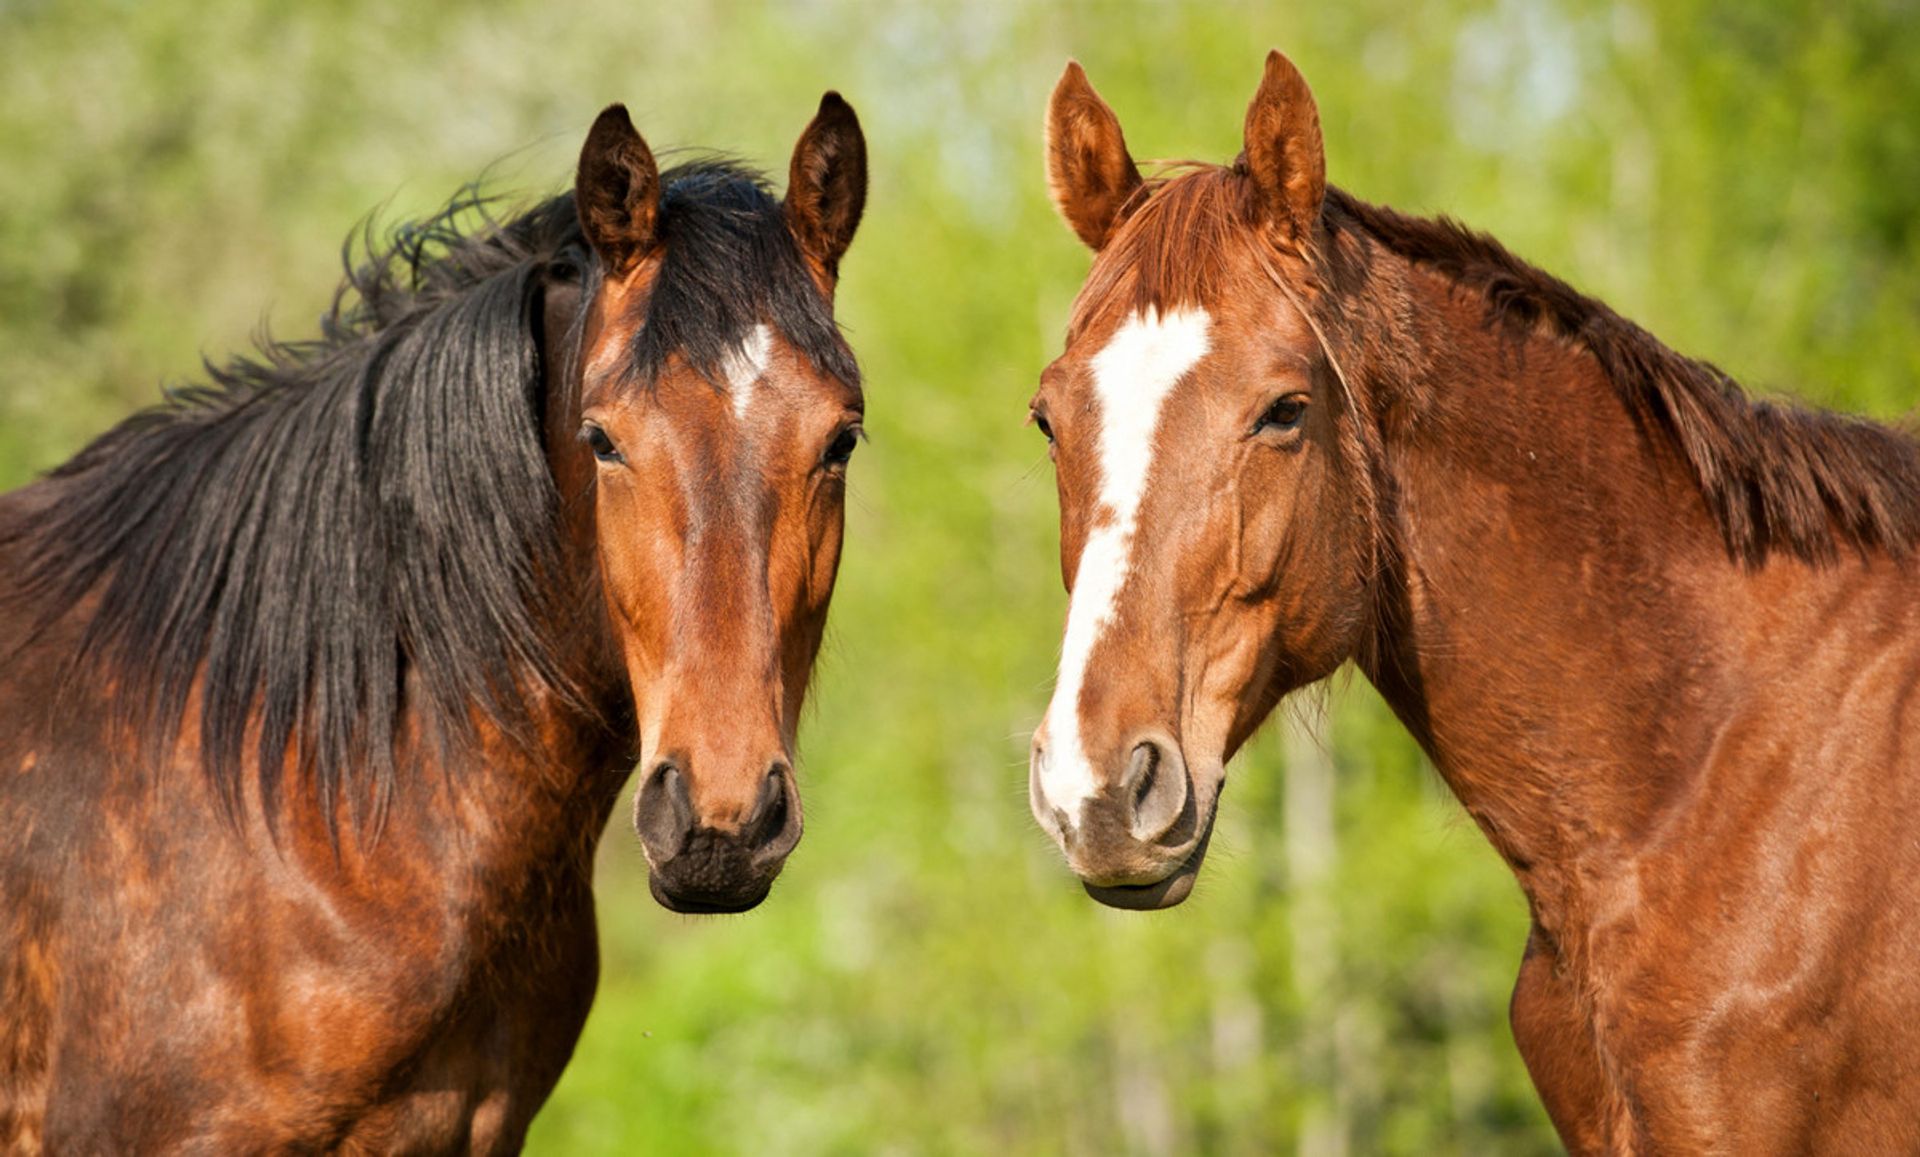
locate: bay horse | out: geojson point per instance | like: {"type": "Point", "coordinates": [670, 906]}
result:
{"type": "Point", "coordinates": [1661, 639]}
{"type": "Point", "coordinates": [320, 681]}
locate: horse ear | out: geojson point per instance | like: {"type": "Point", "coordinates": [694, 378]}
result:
{"type": "Point", "coordinates": [827, 183]}
{"type": "Point", "coordinates": [617, 190]}
{"type": "Point", "coordinates": [1089, 172]}
{"type": "Point", "coordinates": [1285, 156]}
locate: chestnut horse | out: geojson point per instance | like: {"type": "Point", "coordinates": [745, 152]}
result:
{"type": "Point", "coordinates": [1660, 639]}
{"type": "Point", "coordinates": [320, 681]}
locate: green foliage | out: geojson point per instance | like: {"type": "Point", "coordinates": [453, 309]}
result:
{"type": "Point", "coordinates": [927, 978]}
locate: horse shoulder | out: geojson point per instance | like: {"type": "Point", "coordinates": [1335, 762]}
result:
{"type": "Point", "coordinates": [287, 997]}
{"type": "Point", "coordinates": [1749, 963]}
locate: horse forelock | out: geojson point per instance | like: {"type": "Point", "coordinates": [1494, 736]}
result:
{"type": "Point", "coordinates": [728, 264]}
{"type": "Point", "coordinates": [1172, 246]}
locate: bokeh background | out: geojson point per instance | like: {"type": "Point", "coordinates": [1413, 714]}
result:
{"type": "Point", "coordinates": [927, 978]}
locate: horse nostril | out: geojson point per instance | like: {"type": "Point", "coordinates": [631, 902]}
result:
{"type": "Point", "coordinates": [769, 809]}
{"type": "Point", "coordinates": [1146, 761]}
{"type": "Point", "coordinates": [774, 827]}
{"type": "Point", "coordinates": [1156, 789]}
{"type": "Point", "coordinates": [663, 811]}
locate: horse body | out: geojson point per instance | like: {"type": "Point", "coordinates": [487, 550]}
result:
{"type": "Point", "coordinates": [319, 686]}
{"type": "Point", "coordinates": [1702, 774]}
{"type": "Point", "coordinates": [180, 981]}
{"type": "Point", "coordinates": [1660, 639]}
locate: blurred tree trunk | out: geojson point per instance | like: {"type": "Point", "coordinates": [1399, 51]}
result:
{"type": "Point", "coordinates": [1314, 919]}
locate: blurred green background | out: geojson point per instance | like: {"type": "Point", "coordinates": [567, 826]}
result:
{"type": "Point", "coordinates": [927, 978]}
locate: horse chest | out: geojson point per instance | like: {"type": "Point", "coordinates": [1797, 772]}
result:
{"type": "Point", "coordinates": [497, 1050]}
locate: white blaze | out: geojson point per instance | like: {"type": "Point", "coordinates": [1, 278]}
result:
{"type": "Point", "coordinates": [1132, 377]}
{"type": "Point", "coordinates": [745, 366]}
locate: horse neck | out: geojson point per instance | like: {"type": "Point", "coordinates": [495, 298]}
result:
{"type": "Point", "coordinates": [1552, 624]}
{"type": "Point", "coordinates": [532, 804]}
{"type": "Point", "coordinates": [521, 800]}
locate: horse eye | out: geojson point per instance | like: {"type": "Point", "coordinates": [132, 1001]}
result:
{"type": "Point", "coordinates": [1284, 415]}
{"type": "Point", "coordinates": [601, 445]}
{"type": "Point", "coordinates": [1046, 428]}
{"type": "Point", "coordinates": [840, 451]}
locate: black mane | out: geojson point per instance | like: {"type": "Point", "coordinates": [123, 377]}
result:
{"type": "Point", "coordinates": [333, 532]}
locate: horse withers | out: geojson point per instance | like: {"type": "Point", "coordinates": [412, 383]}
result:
{"type": "Point", "coordinates": [320, 681]}
{"type": "Point", "coordinates": [1659, 638]}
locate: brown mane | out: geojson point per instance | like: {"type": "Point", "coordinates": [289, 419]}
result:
{"type": "Point", "coordinates": [1171, 244]}
{"type": "Point", "coordinates": [1776, 476]}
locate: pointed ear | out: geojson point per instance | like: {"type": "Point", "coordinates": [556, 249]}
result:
{"type": "Point", "coordinates": [617, 190]}
{"type": "Point", "coordinates": [1089, 172]}
{"type": "Point", "coordinates": [1285, 156]}
{"type": "Point", "coordinates": [827, 183]}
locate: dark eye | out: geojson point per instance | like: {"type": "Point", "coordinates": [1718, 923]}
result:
{"type": "Point", "coordinates": [601, 445]}
{"type": "Point", "coordinates": [1284, 415]}
{"type": "Point", "coordinates": [840, 450]}
{"type": "Point", "coordinates": [1045, 427]}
